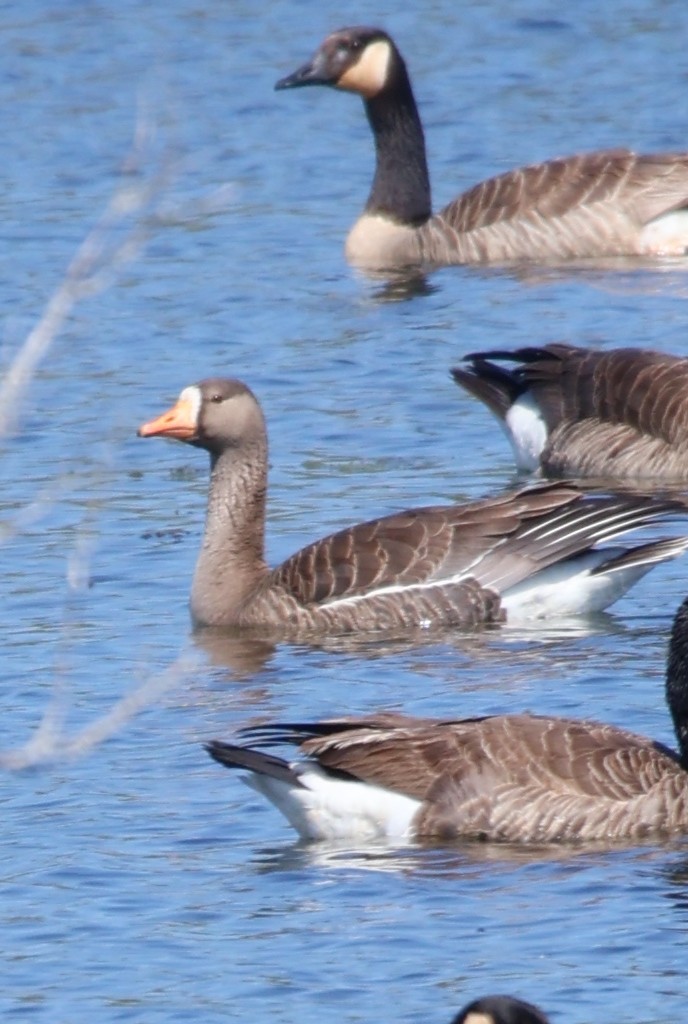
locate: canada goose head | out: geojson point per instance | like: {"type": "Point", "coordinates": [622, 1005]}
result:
{"type": "Point", "coordinates": [214, 414]}
{"type": "Point", "coordinates": [500, 1010]}
{"type": "Point", "coordinates": [359, 59]}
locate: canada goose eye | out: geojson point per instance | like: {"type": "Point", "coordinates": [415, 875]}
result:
{"type": "Point", "coordinates": [346, 48]}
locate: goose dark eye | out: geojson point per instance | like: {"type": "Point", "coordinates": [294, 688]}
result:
{"type": "Point", "coordinates": [217, 398]}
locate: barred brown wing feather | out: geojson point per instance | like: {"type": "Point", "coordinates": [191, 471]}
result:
{"type": "Point", "coordinates": [398, 550]}
{"type": "Point", "coordinates": [422, 545]}
{"type": "Point", "coordinates": [645, 185]}
{"type": "Point", "coordinates": [571, 756]}
{"type": "Point", "coordinates": [642, 389]}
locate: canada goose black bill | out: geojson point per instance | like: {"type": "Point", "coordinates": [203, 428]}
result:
{"type": "Point", "coordinates": [516, 778]}
{"type": "Point", "coordinates": [609, 203]}
{"type": "Point", "coordinates": [620, 414]}
{"type": "Point", "coordinates": [355, 58]}
{"type": "Point", "coordinates": [531, 553]}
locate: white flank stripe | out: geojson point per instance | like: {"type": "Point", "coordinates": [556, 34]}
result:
{"type": "Point", "coordinates": [397, 588]}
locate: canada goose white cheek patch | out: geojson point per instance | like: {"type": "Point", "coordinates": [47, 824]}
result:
{"type": "Point", "coordinates": [527, 432]}
{"type": "Point", "coordinates": [369, 74]}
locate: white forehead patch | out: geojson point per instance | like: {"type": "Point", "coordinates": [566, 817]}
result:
{"type": "Point", "coordinates": [192, 397]}
{"type": "Point", "coordinates": [369, 74]}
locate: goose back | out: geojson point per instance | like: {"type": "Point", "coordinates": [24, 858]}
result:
{"type": "Point", "coordinates": [587, 205]}
{"type": "Point", "coordinates": [458, 566]}
{"type": "Point", "coordinates": [621, 413]}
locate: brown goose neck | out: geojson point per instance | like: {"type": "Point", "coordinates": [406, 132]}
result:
{"type": "Point", "coordinates": [235, 519]}
{"type": "Point", "coordinates": [231, 564]}
{"type": "Point", "coordinates": [401, 186]}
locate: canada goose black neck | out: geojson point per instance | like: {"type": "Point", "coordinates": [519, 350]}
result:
{"type": "Point", "coordinates": [677, 680]}
{"type": "Point", "coordinates": [401, 186]}
{"type": "Point", "coordinates": [365, 61]}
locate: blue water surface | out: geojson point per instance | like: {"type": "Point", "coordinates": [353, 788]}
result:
{"type": "Point", "coordinates": [141, 882]}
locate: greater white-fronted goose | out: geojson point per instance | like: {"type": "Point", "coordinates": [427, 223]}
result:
{"type": "Point", "coordinates": [609, 203]}
{"type": "Point", "coordinates": [500, 1010]}
{"type": "Point", "coordinates": [511, 778]}
{"type": "Point", "coordinates": [585, 412]}
{"type": "Point", "coordinates": [528, 553]}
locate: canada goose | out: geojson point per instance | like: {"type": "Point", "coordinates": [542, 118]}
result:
{"type": "Point", "coordinates": [584, 412]}
{"type": "Point", "coordinates": [500, 1010]}
{"type": "Point", "coordinates": [609, 203]}
{"type": "Point", "coordinates": [528, 553]}
{"type": "Point", "coordinates": [514, 778]}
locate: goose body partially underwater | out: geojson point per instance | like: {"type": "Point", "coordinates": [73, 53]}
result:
{"type": "Point", "coordinates": [608, 203]}
{"type": "Point", "coordinates": [620, 413]}
{"type": "Point", "coordinates": [524, 554]}
{"type": "Point", "coordinates": [515, 778]}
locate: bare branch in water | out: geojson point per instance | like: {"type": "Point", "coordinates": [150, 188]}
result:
{"type": "Point", "coordinates": [116, 238]}
{"type": "Point", "coordinates": [51, 743]}
{"type": "Point", "coordinates": [139, 207]}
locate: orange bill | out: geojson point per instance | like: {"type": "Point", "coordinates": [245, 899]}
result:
{"type": "Point", "coordinates": [178, 422]}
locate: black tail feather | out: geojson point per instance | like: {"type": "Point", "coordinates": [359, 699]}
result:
{"type": "Point", "coordinates": [233, 756]}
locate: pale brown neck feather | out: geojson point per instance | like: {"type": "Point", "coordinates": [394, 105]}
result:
{"type": "Point", "coordinates": [231, 563]}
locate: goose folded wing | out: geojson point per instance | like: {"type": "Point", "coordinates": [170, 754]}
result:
{"type": "Point", "coordinates": [563, 756]}
{"type": "Point", "coordinates": [421, 546]}
{"type": "Point", "coordinates": [641, 186]}
{"type": "Point", "coordinates": [556, 781]}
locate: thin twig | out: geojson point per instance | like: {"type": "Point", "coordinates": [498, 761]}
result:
{"type": "Point", "coordinates": [50, 742]}
{"type": "Point", "coordinates": [115, 240]}
{"type": "Point", "coordinates": [133, 213]}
